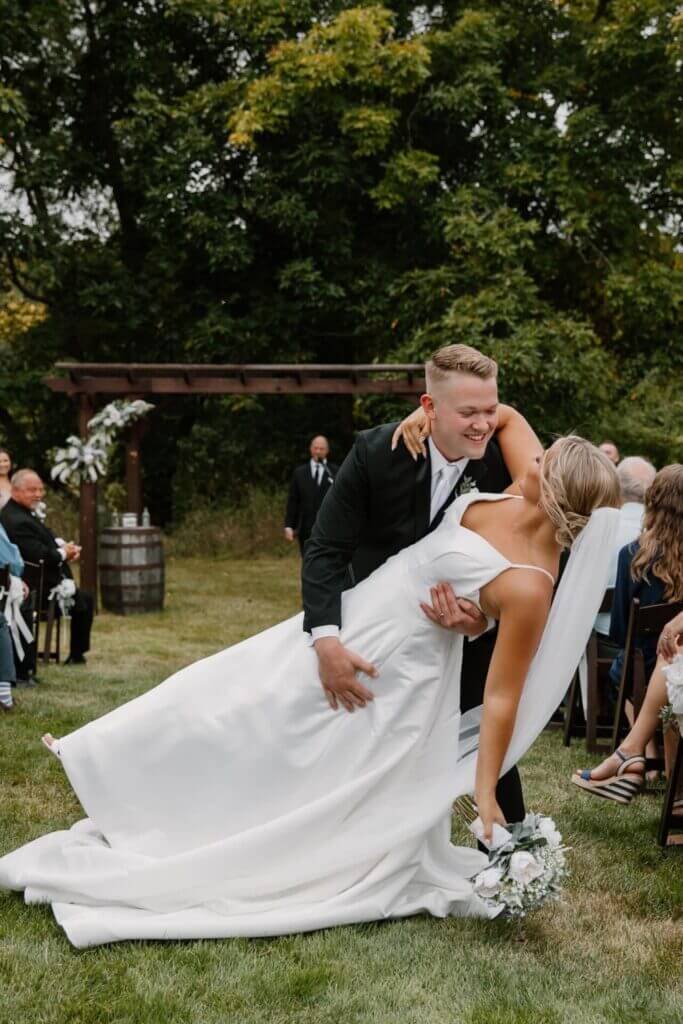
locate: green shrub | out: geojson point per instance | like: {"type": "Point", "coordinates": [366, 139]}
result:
{"type": "Point", "coordinates": [252, 529]}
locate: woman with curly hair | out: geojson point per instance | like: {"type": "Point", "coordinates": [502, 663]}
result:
{"type": "Point", "coordinates": [650, 569]}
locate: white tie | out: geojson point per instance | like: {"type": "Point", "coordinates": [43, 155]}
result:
{"type": "Point", "coordinates": [447, 478]}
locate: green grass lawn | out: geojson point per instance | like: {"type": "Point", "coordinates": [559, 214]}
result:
{"type": "Point", "coordinates": [611, 952]}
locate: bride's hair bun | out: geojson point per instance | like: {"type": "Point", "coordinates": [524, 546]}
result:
{"type": "Point", "coordinates": [576, 478]}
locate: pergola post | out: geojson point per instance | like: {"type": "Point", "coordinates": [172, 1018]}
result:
{"type": "Point", "coordinates": [134, 468]}
{"type": "Point", "coordinates": [87, 508]}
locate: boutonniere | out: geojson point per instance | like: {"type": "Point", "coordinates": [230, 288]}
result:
{"type": "Point", "coordinates": [467, 484]}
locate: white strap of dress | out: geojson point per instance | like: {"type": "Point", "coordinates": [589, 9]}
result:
{"type": "Point", "coordinates": [538, 568]}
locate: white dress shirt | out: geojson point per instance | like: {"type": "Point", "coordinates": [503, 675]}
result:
{"type": "Point", "coordinates": [630, 525]}
{"type": "Point", "coordinates": [444, 477]}
{"type": "Point", "coordinates": [315, 466]}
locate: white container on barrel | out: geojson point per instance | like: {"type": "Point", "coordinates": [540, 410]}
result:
{"type": "Point", "coordinates": [131, 566]}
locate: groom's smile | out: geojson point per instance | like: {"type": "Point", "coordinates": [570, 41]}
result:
{"type": "Point", "coordinates": [464, 415]}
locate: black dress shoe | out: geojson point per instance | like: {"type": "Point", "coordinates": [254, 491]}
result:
{"type": "Point", "coordinates": [28, 682]}
{"type": "Point", "coordinates": [75, 659]}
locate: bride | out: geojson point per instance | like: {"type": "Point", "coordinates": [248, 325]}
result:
{"type": "Point", "coordinates": [230, 800]}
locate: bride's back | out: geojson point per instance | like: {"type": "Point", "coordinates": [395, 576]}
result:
{"type": "Point", "coordinates": [521, 538]}
{"type": "Point", "coordinates": [557, 495]}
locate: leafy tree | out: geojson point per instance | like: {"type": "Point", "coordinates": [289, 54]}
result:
{"type": "Point", "coordinates": [223, 180]}
{"type": "Point", "coordinates": [531, 193]}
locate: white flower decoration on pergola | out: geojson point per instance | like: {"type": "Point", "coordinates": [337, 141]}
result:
{"type": "Point", "coordinates": [85, 461]}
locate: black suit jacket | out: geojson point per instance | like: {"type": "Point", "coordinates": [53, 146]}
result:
{"type": "Point", "coordinates": [35, 541]}
{"type": "Point", "coordinates": [306, 497]}
{"type": "Point", "coordinates": [379, 505]}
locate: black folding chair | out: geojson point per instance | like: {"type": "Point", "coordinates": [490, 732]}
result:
{"type": "Point", "coordinates": [44, 611]}
{"type": "Point", "coordinates": [643, 622]}
{"type": "Point", "coordinates": [591, 723]}
{"type": "Point", "coordinates": [669, 820]}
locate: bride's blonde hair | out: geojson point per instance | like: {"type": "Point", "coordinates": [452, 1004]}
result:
{"type": "Point", "coordinates": [576, 478]}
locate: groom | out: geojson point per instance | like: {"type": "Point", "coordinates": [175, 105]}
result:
{"type": "Point", "coordinates": [382, 501]}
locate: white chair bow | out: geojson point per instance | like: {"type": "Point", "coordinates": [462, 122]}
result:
{"type": "Point", "coordinates": [15, 620]}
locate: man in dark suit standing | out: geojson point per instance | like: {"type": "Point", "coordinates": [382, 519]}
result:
{"type": "Point", "coordinates": [38, 543]}
{"type": "Point", "coordinates": [384, 500]}
{"type": "Point", "coordinates": [309, 485]}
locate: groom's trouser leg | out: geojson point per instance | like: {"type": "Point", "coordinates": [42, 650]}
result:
{"type": "Point", "coordinates": [510, 796]}
{"type": "Point", "coordinates": [475, 665]}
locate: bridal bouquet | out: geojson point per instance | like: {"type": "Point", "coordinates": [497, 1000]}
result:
{"type": "Point", "coordinates": [526, 869]}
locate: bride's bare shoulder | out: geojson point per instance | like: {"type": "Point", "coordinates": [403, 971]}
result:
{"type": "Point", "coordinates": [482, 511]}
{"type": "Point", "coordinates": [524, 590]}
{"type": "Point", "coordinates": [523, 597]}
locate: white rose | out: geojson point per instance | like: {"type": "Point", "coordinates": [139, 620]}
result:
{"type": "Point", "coordinates": [549, 831]}
{"type": "Point", "coordinates": [524, 867]}
{"type": "Point", "coordinates": [487, 883]}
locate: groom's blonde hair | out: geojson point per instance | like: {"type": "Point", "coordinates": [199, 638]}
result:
{"type": "Point", "coordinates": [576, 478]}
{"type": "Point", "coordinates": [458, 359]}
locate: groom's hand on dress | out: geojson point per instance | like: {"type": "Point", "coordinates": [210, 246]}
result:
{"type": "Point", "coordinates": [454, 612]}
{"type": "Point", "coordinates": [337, 666]}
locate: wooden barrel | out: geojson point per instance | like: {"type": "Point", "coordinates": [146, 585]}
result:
{"type": "Point", "coordinates": [131, 568]}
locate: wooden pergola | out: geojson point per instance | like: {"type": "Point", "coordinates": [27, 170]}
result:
{"type": "Point", "coordinates": [86, 383]}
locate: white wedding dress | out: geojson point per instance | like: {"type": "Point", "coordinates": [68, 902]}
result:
{"type": "Point", "coordinates": [231, 801]}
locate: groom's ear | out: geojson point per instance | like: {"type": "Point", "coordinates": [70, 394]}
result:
{"type": "Point", "coordinates": [427, 403]}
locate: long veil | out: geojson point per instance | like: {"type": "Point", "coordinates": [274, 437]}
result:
{"type": "Point", "coordinates": [572, 614]}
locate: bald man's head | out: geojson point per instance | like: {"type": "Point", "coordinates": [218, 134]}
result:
{"type": "Point", "coordinates": [320, 448]}
{"type": "Point", "coordinates": [635, 476]}
{"type": "Point", "coordinates": [27, 488]}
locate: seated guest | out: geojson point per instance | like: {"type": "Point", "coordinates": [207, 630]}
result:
{"type": "Point", "coordinates": [38, 543]}
{"type": "Point", "coordinates": [670, 642]}
{"type": "Point", "coordinates": [10, 557]}
{"type": "Point", "coordinates": [651, 568]}
{"type": "Point", "coordinates": [635, 476]}
{"type": "Point", "coordinates": [5, 472]}
{"type": "Point", "coordinates": [610, 450]}
{"type": "Point", "coordinates": [620, 776]}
